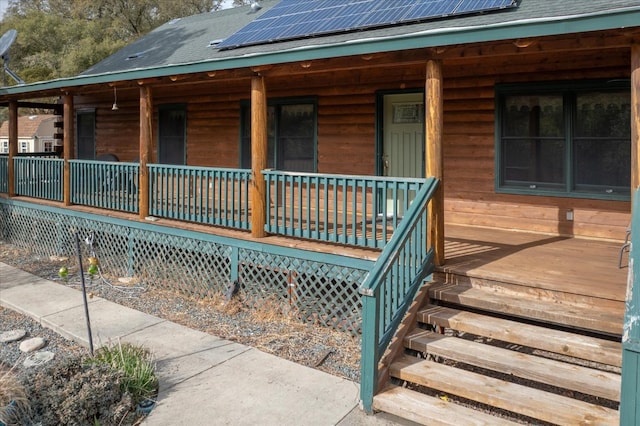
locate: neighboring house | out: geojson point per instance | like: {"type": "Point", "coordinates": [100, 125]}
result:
{"type": "Point", "coordinates": [277, 152]}
{"type": "Point", "coordinates": [36, 133]}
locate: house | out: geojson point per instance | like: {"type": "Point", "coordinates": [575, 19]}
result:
{"type": "Point", "coordinates": [491, 146]}
{"type": "Point", "coordinates": [37, 133]}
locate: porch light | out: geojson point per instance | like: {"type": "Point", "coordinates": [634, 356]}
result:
{"type": "Point", "coordinates": [115, 99]}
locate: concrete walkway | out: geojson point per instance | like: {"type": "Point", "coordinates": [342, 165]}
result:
{"type": "Point", "coordinates": [204, 380]}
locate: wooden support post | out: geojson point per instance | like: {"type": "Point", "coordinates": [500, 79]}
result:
{"type": "Point", "coordinates": [434, 159]}
{"type": "Point", "coordinates": [635, 117]}
{"type": "Point", "coordinates": [630, 386]}
{"type": "Point", "coordinates": [146, 142]}
{"type": "Point", "coordinates": [68, 143]}
{"type": "Point", "coordinates": [13, 146]}
{"type": "Point", "coordinates": [258, 155]}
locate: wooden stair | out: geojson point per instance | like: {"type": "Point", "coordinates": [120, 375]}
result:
{"type": "Point", "coordinates": [482, 353]}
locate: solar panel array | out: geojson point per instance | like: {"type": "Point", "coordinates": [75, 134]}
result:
{"type": "Point", "coordinates": [292, 19]}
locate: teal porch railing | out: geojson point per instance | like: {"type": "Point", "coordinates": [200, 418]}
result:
{"type": "Point", "coordinates": [39, 177]}
{"type": "Point", "coordinates": [389, 289]}
{"type": "Point", "coordinates": [357, 210]}
{"type": "Point", "coordinates": [105, 184]}
{"type": "Point", "coordinates": [4, 174]}
{"type": "Point", "coordinates": [206, 195]}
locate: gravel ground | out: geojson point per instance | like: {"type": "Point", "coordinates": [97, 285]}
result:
{"type": "Point", "coordinates": [266, 328]}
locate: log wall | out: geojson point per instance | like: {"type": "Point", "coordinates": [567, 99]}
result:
{"type": "Point", "coordinates": [347, 129]}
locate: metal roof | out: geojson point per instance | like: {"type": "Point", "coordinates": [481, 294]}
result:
{"type": "Point", "coordinates": [183, 46]}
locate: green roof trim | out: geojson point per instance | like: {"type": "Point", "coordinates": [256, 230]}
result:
{"type": "Point", "coordinates": [523, 28]}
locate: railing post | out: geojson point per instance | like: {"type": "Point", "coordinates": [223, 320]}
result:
{"type": "Point", "coordinates": [369, 359]}
{"type": "Point", "coordinates": [258, 155]}
{"type": "Point", "coordinates": [68, 147]}
{"type": "Point", "coordinates": [434, 160]}
{"type": "Point", "coordinates": [13, 147]}
{"type": "Point", "coordinates": [146, 141]}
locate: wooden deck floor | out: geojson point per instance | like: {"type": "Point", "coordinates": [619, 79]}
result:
{"type": "Point", "coordinates": [571, 265]}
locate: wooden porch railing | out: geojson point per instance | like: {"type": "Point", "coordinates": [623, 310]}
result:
{"type": "Point", "coordinates": [105, 184]}
{"type": "Point", "coordinates": [357, 210]}
{"type": "Point", "coordinates": [39, 177]}
{"type": "Point", "coordinates": [390, 287]}
{"type": "Point", "coordinates": [206, 195]}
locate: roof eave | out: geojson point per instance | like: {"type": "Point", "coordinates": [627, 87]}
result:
{"type": "Point", "coordinates": [570, 24]}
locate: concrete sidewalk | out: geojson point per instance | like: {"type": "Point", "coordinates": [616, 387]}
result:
{"type": "Point", "coordinates": [204, 380]}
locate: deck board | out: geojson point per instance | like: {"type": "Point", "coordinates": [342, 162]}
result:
{"type": "Point", "coordinates": [572, 265]}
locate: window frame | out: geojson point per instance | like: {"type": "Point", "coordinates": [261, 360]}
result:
{"type": "Point", "coordinates": [245, 108]}
{"type": "Point", "coordinates": [567, 91]}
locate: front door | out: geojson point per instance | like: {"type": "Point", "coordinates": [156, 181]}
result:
{"type": "Point", "coordinates": [403, 143]}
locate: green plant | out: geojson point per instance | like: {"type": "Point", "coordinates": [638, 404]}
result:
{"type": "Point", "coordinates": [136, 365]}
{"type": "Point", "coordinates": [71, 392]}
{"type": "Point", "coordinates": [14, 404]}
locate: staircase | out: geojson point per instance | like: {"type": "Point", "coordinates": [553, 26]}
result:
{"type": "Point", "coordinates": [482, 352]}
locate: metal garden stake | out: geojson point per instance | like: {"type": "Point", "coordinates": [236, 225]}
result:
{"type": "Point", "coordinates": [84, 294]}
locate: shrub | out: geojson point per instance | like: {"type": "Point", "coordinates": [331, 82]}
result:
{"type": "Point", "coordinates": [136, 365]}
{"type": "Point", "coordinates": [72, 392]}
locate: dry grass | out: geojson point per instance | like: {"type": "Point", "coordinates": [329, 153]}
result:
{"type": "Point", "coordinates": [14, 403]}
{"type": "Point", "coordinates": [269, 325]}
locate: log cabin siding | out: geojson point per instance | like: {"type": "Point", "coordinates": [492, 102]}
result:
{"type": "Point", "coordinates": [469, 146]}
{"type": "Point", "coordinates": [346, 134]}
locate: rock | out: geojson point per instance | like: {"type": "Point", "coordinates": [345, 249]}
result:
{"type": "Point", "coordinates": [12, 335]}
{"type": "Point", "coordinates": [38, 358]}
{"type": "Point", "coordinates": [33, 344]}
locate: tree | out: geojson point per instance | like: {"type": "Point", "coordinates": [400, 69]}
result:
{"type": "Point", "coordinates": [61, 38]}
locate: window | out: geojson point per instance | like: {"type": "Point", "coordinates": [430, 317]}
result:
{"type": "Point", "coordinates": [24, 146]}
{"type": "Point", "coordinates": [5, 146]}
{"type": "Point", "coordinates": [86, 135]}
{"type": "Point", "coordinates": [172, 134]}
{"type": "Point", "coordinates": [48, 146]}
{"type": "Point", "coordinates": [565, 141]}
{"type": "Point", "coordinates": [291, 135]}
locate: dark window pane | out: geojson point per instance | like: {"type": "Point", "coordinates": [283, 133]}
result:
{"type": "Point", "coordinates": [86, 135]}
{"type": "Point", "coordinates": [602, 147]}
{"type": "Point", "coordinates": [533, 116]}
{"type": "Point", "coordinates": [172, 135]}
{"type": "Point", "coordinates": [291, 137]}
{"type": "Point", "coordinates": [603, 114]}
{"type": "Point", "coordinates": [533, 161]}
{"type": "Point", "coordinates": [603, 163]}
{"type": "Point", "coordinates": [296, 131]}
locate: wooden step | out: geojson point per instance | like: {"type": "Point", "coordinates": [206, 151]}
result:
{"type": "Point", "coordinates": [526, 306]}
{"type": "Point", "coordinates": [427, 410]}
{"type": "Point", "coordinates": [530, 402]}
{"type": "Point", "coordinates": [543, 370]}
{"type": "Point", "coordinates": [557, 341]}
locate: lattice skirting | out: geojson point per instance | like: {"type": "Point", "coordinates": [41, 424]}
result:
{"type": "Point", "coordinates": [319, 287]}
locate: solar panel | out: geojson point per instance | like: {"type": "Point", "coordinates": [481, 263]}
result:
{"type": "Point", "coordinates": [293, 19]}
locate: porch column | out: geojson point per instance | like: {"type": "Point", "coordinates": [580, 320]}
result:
{"type": "Point", "coordinates": [146, 142]}
{"type": "Point", "coordinates": [434, 161]}
{"type": "Point", "coordinates": [13, 146]}
{"type": "Point", "coordinates": [635, 117]}
{"type": "Point", "coordinates": [258, 155]}
{"type": "Point", "coordinates": [630, 387]}
{"type": "Point", "coordinates": [68, 145]}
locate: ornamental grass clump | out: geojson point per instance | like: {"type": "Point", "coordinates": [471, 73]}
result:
{"type": "Point", "coordinates": [136, 365]}
{"type": "Point", "coordinates": [14, 404]}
